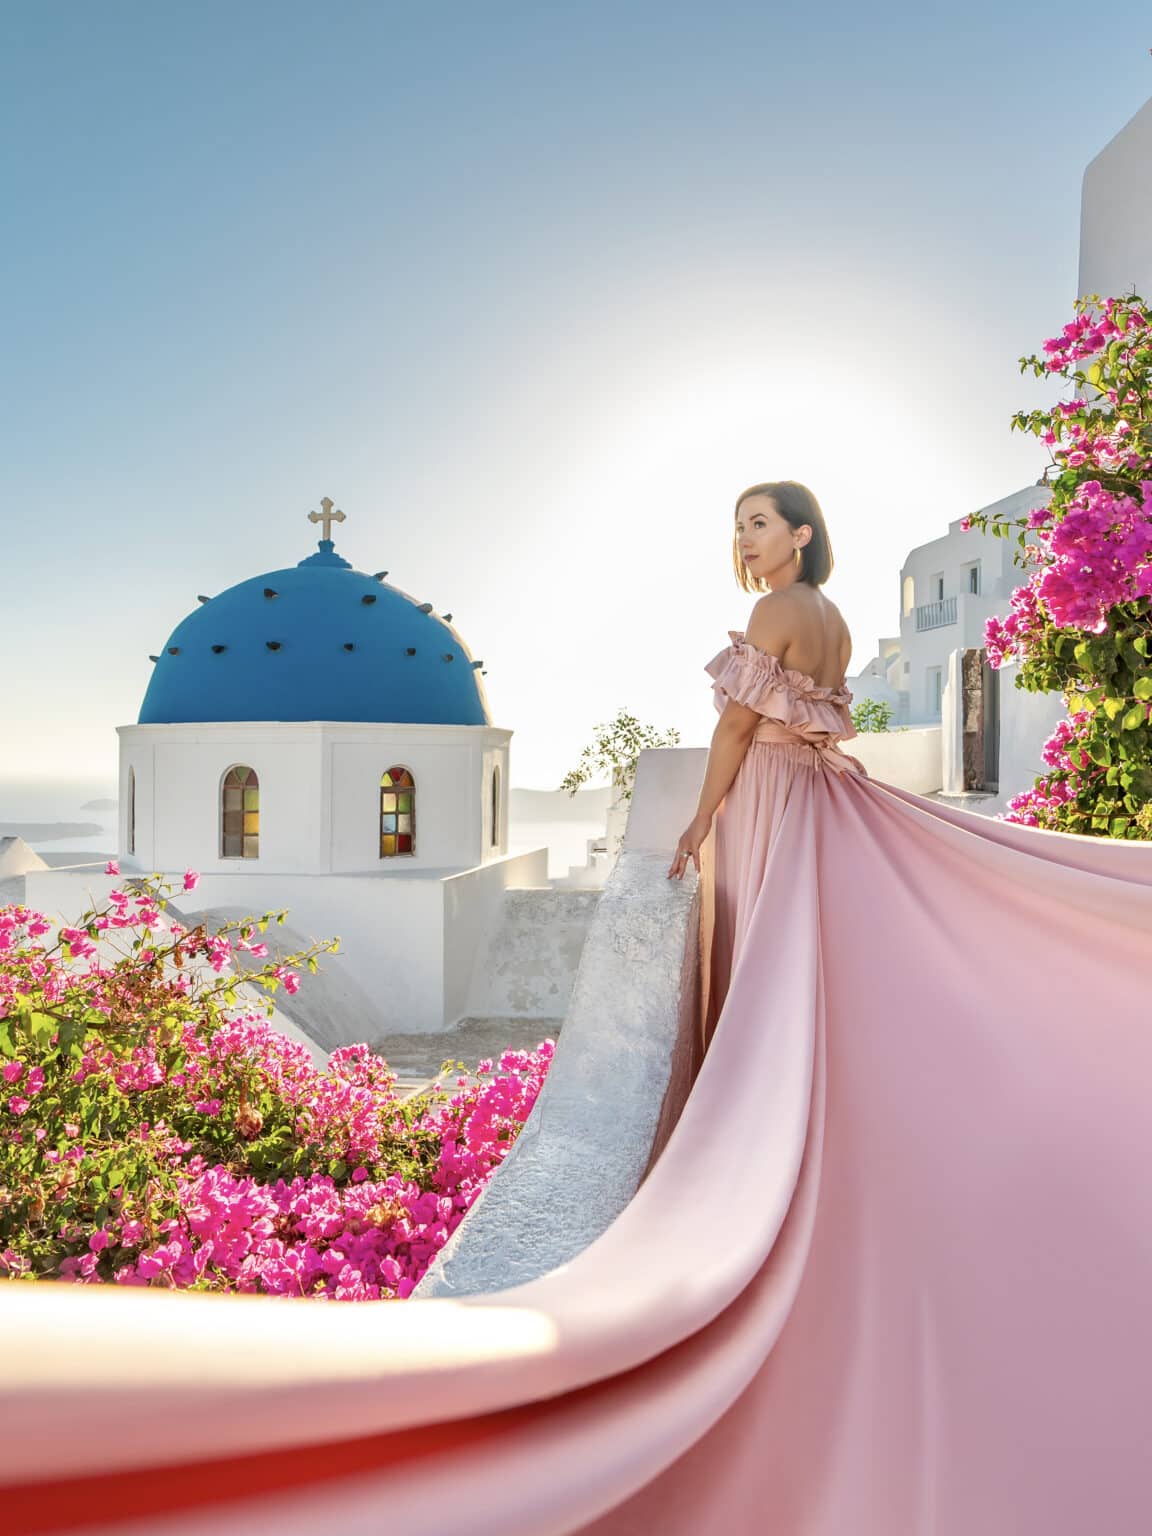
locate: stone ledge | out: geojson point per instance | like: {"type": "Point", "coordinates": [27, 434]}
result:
{"type": "Point", "coordinates": [623, 1067]}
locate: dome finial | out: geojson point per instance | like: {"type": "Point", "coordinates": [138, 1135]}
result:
{"type": "Point", "coordinates": [327, 517]}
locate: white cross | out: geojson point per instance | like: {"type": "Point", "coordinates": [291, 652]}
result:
{"type": "Point", "coordinates": [327, 517]}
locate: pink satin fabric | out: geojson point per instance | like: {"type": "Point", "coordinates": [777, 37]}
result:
{"type": "Point", "coordinates": [827, 749]}
{"type": "Point", "coordinates": [889, 1277]}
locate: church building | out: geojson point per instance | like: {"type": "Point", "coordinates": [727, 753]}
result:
{"type": "Point", "coordinates": [316, 739]}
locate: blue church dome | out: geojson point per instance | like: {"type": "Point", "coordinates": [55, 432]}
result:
{"type": "Point", "coordinates": [316, 641]}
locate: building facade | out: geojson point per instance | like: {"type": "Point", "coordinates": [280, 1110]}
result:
{"type": "Point", "coordinates": [314, 739]}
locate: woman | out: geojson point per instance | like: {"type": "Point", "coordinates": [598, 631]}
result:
{"type": "Point", "coordinates": [890, 1275]}
{"type": "Point", "coordinates": [784, 707]}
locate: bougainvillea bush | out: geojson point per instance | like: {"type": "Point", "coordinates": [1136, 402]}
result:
{"type": "Point", "coordinates": [1082, 622]}
{"type": "Point", "coordinates": [156, 1129]}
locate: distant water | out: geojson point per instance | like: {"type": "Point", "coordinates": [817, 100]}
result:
{"type": "Point", "coordinates": [46, 801]}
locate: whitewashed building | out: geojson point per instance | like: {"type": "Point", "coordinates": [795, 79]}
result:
{"type": "Point", "coordinates": [970, 730]}
{"type": "Point", "coordinates": [931, 674]}
{"type": "Point", "coordinates": [318, 740]}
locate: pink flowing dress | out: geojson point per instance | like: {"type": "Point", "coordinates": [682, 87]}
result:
{"type": "Point", "coordinates": [799, 735]}
{"type": "Point", "coordinates": [890, 1276]}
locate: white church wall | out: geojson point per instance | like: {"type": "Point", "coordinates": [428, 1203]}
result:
{"type": "Point", "coordinates": [390, 936]}
{"type": "Point", "coordinates": [136, 801]}
{"type": "Point", "coordinates": [189, 776]}
{"type": "Point", "coordinates": [409, 946]}
{"type": "Point", "coordinates": [495, 760]}
{"type": "Point", "coordinates": [391, 932]}
{"type": "Point", "coordinates": [319, 794]}
{"type": "Point", "coordinates": [445, 821]}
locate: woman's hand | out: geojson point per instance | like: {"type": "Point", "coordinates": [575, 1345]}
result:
{"type": "Point", "coordinates": [688, 848]}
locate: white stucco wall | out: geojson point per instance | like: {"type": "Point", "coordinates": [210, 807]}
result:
{"type": "Point", "coordinates": [1026, 722]}
{"type": "Point", "coordinates": [527, 960]}
{"type": "Point", "coordinates": [1116, 213]}
{"type": "Point", "coordinates": [319, 794]}
{"type": "Point", "coordinates": [909, 758]}
{"type": "Point", "coordinates": [395, 934]}
{"type": "Point", "coordinates": [474, 905]}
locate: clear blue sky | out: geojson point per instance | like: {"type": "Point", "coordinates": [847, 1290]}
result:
{"type": "Point", "coordinates": [532, 292]}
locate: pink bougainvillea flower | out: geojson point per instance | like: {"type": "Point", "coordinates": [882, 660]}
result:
{"type": "Point", "coordinates": [314, 1206]}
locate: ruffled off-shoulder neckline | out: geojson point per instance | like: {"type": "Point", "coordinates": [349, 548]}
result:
{"type": "Point", "coordinates": [799, 684]}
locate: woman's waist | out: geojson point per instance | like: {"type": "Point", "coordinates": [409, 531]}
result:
{"type": "Point", "coordinates": [825, 745]}
{"type": "Point", "coordinates": [776, 730]}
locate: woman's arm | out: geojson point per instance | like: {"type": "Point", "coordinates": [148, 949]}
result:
{"type": "Point", "coordinates": [730, 740]}
{"type": "Point", "coordinates": [734, 731]}
{"type": "Point", "coordinates": [768, 630]}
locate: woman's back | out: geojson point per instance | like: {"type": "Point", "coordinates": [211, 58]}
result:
{"type": "Point", "coordinates": [820, 644]}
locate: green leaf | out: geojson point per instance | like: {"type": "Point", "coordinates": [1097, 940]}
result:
{"type": "Point", "coordinates": [1142, 688]}
{"type": "Point", "coordinates": [72, 1033]}
{"type": "Point", "coordinates": [41, 1027]}
{"type": "Point", "coordinates": [1135, 718]}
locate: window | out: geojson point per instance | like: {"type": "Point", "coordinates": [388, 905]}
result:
{"type": "Point", "coordinates": [496, 806]}
{"type": "Point", "coordinates": [131, 810]}
{"type": "Point", "coordinates": [936, 585]}
{"type": "Point", "coordinates": [974, 578]}
{"type": "Point", "coordinates": [240, 814]}
{"type": "Point", "coordinates": [397, 797]}
{"type": "Point", "coordinates": [935, 681]}
{"type": "Point", "coordinates": [909, 595]}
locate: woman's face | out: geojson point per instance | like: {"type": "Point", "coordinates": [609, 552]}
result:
{"type": "Point", "coordinates": [766, 542]}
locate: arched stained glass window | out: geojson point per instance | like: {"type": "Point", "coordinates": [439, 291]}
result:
{"type": "Point", "coordinates": [240, 814]}
{"type": "Point", "coordinates": [397, 809]}
{"type": "Point", "coordinates": [131, 810]}
{"type": "Point", "coordinates": [496, 806]}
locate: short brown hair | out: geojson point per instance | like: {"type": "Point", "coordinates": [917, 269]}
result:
{"type": "Point", "coordinates": [797, 506]}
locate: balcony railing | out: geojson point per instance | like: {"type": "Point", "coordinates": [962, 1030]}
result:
{"type": "Point", "coordinates": [936, 615]}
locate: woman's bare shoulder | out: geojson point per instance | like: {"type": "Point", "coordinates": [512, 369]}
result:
{"type": "Point", "coordinates": [786, 616]}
